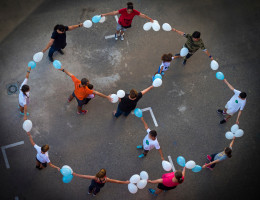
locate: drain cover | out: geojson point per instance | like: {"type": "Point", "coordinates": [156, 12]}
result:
{"type": "Point", "coordinates": [12, 88]}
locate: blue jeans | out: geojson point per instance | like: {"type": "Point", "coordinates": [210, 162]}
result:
{"type": "Point", "coordinates": [120, 112]}
{"type": "Point", "coordinates": [51, 51]}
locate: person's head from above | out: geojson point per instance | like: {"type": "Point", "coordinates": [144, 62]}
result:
{"type": "Point", "coordinates": [59, 28]}
{"type": "Point", "coordinates": [153, 134]}
{"type": "Point", "coordinates": [167, 57]}
{"type": "Point", "coordinates": [101, 174]}
{"type": "Point", "coordinates": [242, 95]}
{"type": "Point", "coordinates": [178, 175]}
{"type": "Point", "coordinates": [25, 90]}
{"type": "Point", "coordinates": [90, 86]}
{"type": "Point", "coordinates": [130, 7]}
{"type": "Point", "coordinates": [133, 94]}
{"type": "Point", "coordinates": [84, 82]}
{"type": "Point", "coordinates": [228, 152]}
{"type": "Point", "coordinates": [45, 148]}
{"type": "Point", "coordinates": [196, 36]}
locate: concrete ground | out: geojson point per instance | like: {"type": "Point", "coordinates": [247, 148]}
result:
{"type": "Point", "coordinates": [184, 106]}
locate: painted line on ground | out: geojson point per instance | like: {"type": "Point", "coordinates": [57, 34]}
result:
{"type": "Point", "coordinates": [170, 159]}
{"type": "Point", "coordinates": [109, 36]}
{"type": "Point", "coordinates": [151, 112]}
{"type": "Point", "coordinates": [116, 17]}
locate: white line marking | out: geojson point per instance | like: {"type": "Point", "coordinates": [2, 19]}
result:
{"type": "Point", "coordinates": [151, 112]}
{"type": "Point", "coordinates": [170, 159]}
{"type": "Point", "coordinates": [3, 148]}
{"type": "Point", "coordinates": [116, 17]}
{"type": "Point", "coordinates": [109, 36]}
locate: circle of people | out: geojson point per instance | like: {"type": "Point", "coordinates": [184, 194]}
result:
{"type": "Point", "coordinates": [84, 92]}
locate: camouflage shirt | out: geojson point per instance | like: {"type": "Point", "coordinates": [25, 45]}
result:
{"type": "Point", "coordinates": [193, 46]}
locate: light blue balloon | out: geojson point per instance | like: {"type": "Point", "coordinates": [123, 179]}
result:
{"type": "Point", "coordinates": [65, 171]}
{"type": "Point", "coordinates": [220, 76]}
{"type": "Point", "coordinates": [138, 112]}
{"type": "Point", "coordinates": [197, 168]}
{"type": "Point", "coordinates": [67, 179]}
{"type": "Point", "coordinates": [32, 64]}
{"type": "Point", "coordinates": [57, 64]}
{"type": "Point", "coordinates": [181, 161]}
{"type": "Point", "coordinates": [96, 18]}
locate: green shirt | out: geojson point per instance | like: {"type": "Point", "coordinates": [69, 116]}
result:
{"type": "Point", "coordinates": [193, 46]}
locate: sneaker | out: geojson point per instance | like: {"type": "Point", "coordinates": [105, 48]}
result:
{"type": "Point", "coordinates": [61, 52]}
{"type": "Point", "coordinates": [209, 158]}
{"type": "Point", "coordinates": [219, 111]}
{"type": "Point", "coordinates": [141, 156]}
{"type": "Point", "coordinates": [184, 62]}
{"type": "Point", "coordinates": [82, 112]}
{"type": "Point", "coordinates": [23, 113]}
{"type": "Point", "coordinates": [223, 121]}
{"type": "Point", "coordinates": [162, 73]}
{"type": "Point", "coordinates": [139, 147]}
{"type": "Point", "coordinates": [116, 36]}
{"type": "Point", "coordinates": [122, 37]}
{"type": "Point", "coordinates": [69, 100]}
{"type": "Point", "coordinates": [89, 192]}
{"type": "Point", "coordinates": [94, 194]}
{"type": "Point", "coordinates": [152, 191]}
{"type": "Point", "coordinates": [177, 54]}
{"type": "Point", "coordinates": [51, 59]}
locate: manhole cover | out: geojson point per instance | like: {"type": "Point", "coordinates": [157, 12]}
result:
{"type": "Point", "coordinates": [12, 88]}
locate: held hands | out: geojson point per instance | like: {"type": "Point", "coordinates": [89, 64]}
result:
{"type": "Point", "coordinates": [151, 20]}
{"type": "Point", "coordinates": [149, 181]}
{"type": "Point", "coordinates": [204, 166]}
{"type": "Point", "coordinates": [28, 134]}
{"type": "Point", "coordinates": [109, 98]}
{"type": "Point", "coordinates": [173, 29]}
{"type": "Point", "coordinates": [237, 122]}
{"type": "Point", "coordinates": [25, 117]}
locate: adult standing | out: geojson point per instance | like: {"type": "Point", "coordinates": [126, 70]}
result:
{"type": "Point", "coordinates": [237, 102]}
{"type": "Point", "coordinates": [129, 102]}
{"type": "Point", "coordinates": [168, 181]}
{"type": "Point", "coordinates": [58, 39]}
{"type": "Point", "coordinates": [193, 43]}
{"type": "Point", "coordinates": [82, 91]}
{"type": "Point", "coordinates": [125, 20]}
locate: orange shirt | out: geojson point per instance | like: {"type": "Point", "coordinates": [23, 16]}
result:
{"type": "Point", "coordinates": [80, 92]}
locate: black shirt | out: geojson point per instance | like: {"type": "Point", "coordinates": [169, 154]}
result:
{"type": "Point", "coordinates": [59, 39]}
{"type": "Point", "coordinates": [126, 104]}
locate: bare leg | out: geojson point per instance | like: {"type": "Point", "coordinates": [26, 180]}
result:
{"type": "Point", "coordinates": [71, 97]}
{"type": "Point", "coordinates": [122, 32]}
{"type": "Point", "coordinates": [38, 164]}
{"type": "Point", "coordinates": [158, 191]}
{"type": "Point", "coordinates": [227, 117]}
{"type": "Point", "coordinates": [41, 166]}
{"type": "Point", "coordinates": [21, 109]}
{"type": "Point", "coordinates": [117, 32]}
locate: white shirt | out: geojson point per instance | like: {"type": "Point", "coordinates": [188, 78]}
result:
{"type": "Point", "coordinates": [148, 143]}
{"type": "Point", "coordinates": [43, 158]}
{"type": "Point", "coordinates": [23, 99]}
{"type": "Point", "coordinates": [236, 103]}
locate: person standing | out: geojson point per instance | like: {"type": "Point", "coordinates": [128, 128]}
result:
{"type": "Point", "coordinates": [129, 102]}
{"type": "Point", "coordinates": [125, 19]}
{"type": "Point", "coordinates": [58, 39]}
{"type": "Point", "coordinates": [218, 157]}
{"type": "Point", "coordinates": [193, 43]}
{"type": "Point", "coordinates": [98, 181]}
{"type": "Point", "coordinates": [81, 92]}
{"type": "Point", "coordinates": [168, 181]}
{"type": "Point", "coordinates": [166, 62]}
{"type": "Point", "coordinates": [149, 142]}
{"type": "Point", "coordinates": [24, 94]}
{"type": "Point", "coordinates": [42, 157]}
{"type": "Point", "coordinates": [237, 102]}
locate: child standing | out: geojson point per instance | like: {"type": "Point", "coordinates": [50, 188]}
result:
{"type": "Point", "coordinates": [166, 61]}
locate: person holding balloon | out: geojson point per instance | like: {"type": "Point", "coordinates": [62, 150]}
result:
{"type": "Point", "coordinates": [98, 181]}
{"type": "Point", "coordinates": [193, 43]}
{"type": "Point", "coordinates": [168, 181]}
{"type": "Point", "coordinates": [166, 61]}
{"type": "Point", "coordinates": [125, 19]}
{"type": "Point", "coordinates": [218, 157]}
{"type": "Point", "coordinates": [42, 157]}
{"type": "Point", "coordinates": [58, 39]}
{"type": "Point", "coordinates": [237, 102]}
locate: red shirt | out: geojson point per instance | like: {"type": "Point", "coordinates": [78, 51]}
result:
{"type": "Point", "coordinates": [125, 19]}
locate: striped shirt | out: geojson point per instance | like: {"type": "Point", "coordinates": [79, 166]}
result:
{"type": "Point", "coordinates": [193, 46]}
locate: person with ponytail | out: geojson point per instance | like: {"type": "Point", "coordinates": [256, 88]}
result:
{"type": "Point", "coordinates": [168, 181]}
{"type": "Point", "coordinates": [98, 181]}
{"type": "Point", "coordinates": [24, 95]}
{"type": "Point", "coordinates": [125, 19]}
{"type": "Point", "coordinates": [218, 157]}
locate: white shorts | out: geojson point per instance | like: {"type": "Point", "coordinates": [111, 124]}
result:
{"type": "Point", "coordinates": [228, 111]}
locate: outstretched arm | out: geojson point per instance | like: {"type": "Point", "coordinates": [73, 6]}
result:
{"type": "Point", "coordinates": [102, 95]}
{"type": "Point", "coordinates": [230, 86]}
{"type": "Point", "coordinates": [207, 52]}
{"type": "Point", "coordinates": [183, 171]}
{"type": "Point", "coordinates": [66, 72]}
{"type": "Point", "coordinates": [110, 13]}
{"type": "Point", "coordinates": [146, 90]}
{"type": "Point", "coordinates": [117, 181]}
{"type": "Point", "coordinates": [145, 17]}
{"type": "Point", "coordinates": [232, 142]}
{"type": "Point", "coordinates": [83, 176]}
{"type": "Point", "coordinates": [30, 138]}
{"type": "Point", "coordinates": [54, 166]}
{"type": "Point", "coordinates": [75, 26]}
{"type": "Point", "coordinates": [48, 45]}
{"type": "Point", "coordinates": [160, 151]}
{"type": "Point", "coordinates": [215, 161]}
{"type": "Point", "coordinates": [145, 124]}
{"type": "Point", "coordinates": [28, 72]}
{"type": "Point", "coordinates": [25, 112]}
{"type": "Point", "coordinates": [156, 181]}
{"type": "Point", "coordinates": [179, 32]}
{"type": "Point", "coordinates": [238, 115]}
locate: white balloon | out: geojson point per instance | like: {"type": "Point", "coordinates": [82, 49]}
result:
{"type": "Point", "coordinates": [155, 21]}
{"type": "Point", "coordinates": [135, 178]}
{"type": "Point", "coordinates": [147, 26]}
{"type": "Point", "coordinates": [103, 19]}
{"type": "Point", "coordinates": [132, 188]}
{"type": "Point", "coordinates": [156, 26]}
{"type": "Point", "coordinates": [114, 98]}
{"type": "Point", "coordinates": [166, 27]}
{"type": "Point", "coordinates": [38, 57]}
{"type": "Point", "coordinates": [234, 128]}
{"type": "Point", "coordinates": [184, 51]}
{"type": "Point", "coordinates": [214, 65]}
{"type": "Point", "coordinates": [166, 165]}
{"type": "Point", "coordinates": [87, 24]}
{"type": "Point", "coordinates": [27, 125]}
{"type": "Point", "coordinates": [144, 175]}
{"type": "Point", "coordinates": [157, 82]}
{"type": "Point", "coordinates": [141, 184]}
{"type": "Point", "coordinates": [190, 164]}
{"type": "Point", "coordinates": [68, 167]}
{"type": "Point", "coordinates": [229, 135]}
{"type": "Point", "coordinates": [239, 133]}
{"type": "Point", "coordinates": [120, 93]}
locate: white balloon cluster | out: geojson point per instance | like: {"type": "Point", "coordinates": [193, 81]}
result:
{"type": "Point", "coordinates": [155, 25]}
{"type": "Point", "coordinates": [139, 180]}
{"type": "Point", "coordinates": [235, 131]}
{"type": "Point", "coordinates": [119, 94]}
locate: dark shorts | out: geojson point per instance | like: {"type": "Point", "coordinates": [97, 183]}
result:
{"type": "Point", "coordinates": [43, 164]}
{"type": "Point", "coordinates": [81, 102]}
{"type": "Point", "coordinates": [163, 187]}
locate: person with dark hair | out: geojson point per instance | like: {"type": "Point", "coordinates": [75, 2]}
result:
{"type": "Point", "coordinates": [90, 96]}
{"type": "Point", "coordinates": [168, 181]}
{"type": "Point", "coordinates": [129, 102]}
{"type": "Point", "coordinates": [24, 95]}
{"type": "Point", "coordinates": [81, 92]}
{"type": "Point", "coordinates": [218, 157]}
{"type": "Point", "coordinates": [193, 43]}
{"type": "Point", "coordinates": [58, 39]}
{"type": "Point", "coordinates": [166, 62]}
{"type": "Point", "coordinates": [149, 142]}
{"type": "Point", "coordinates": [98, 181]}
{"type": "Point", "coordinates": [42, 157]}
{"type": "Point", "coordinates": [125, 19]}
{"type": "Point", "coordinates": [237, 102]}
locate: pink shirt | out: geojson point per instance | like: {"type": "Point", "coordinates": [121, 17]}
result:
{"type": "Point", "coordinates": [167, 180]}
